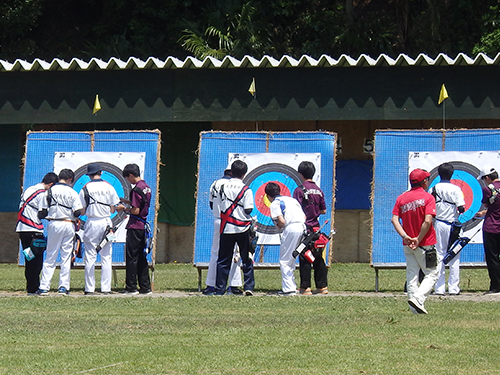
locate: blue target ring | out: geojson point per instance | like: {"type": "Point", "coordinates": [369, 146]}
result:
{"type": "Point", "coordinates": [468, 175]}
{"type": "Point", "coordinates": [110, 174]}
{"type": "Point", "coordinates": [288, 179]}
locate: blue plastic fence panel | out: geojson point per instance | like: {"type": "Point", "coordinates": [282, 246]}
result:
{"type": "Point", "coordinates": [213, 159]}
{"type": "Point", "coordinates": [391, 171]}
{"type": "Point", "coordinates": [41, 147]}
{"type": "Point", "coordinates": [390, 180]}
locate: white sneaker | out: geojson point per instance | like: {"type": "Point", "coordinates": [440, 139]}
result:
{"type": "Point", "coordinates": [417, 306]}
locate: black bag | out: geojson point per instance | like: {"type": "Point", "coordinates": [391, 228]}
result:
{"type": "Point", "coordinates": [38, 244]}
{"type": "Point", "coordinates": [431, 258]}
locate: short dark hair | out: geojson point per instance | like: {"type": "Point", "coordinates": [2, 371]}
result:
{"type": "Point", "coordinates": [307, 169]}
{"type": "Point", "coordinates": [492, 176]}
{"type": "Point", "coordinates": [445, 171]}
{"type": "Point", "coordinates": [272, 189]}
{"type": "Point", "coordinates": [50, 178]}
{"type": "Point", "coordinates": [239, 168]}
{"type": "Point", "coordinates": [66, 174]}
{"type": "Point", "coordinates": [131, 169]}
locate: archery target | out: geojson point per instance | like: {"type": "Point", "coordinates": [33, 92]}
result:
{"type": "Point", "coordinates": [467, 166]}
{"type": "Point", "coordinates": [465, 177]}
{"type": "Point", "coordinates": [111, 174]}
{"type": "Point", "coordinates": [287, 179]}
{"type": "Point", "coordinates": [112, 164]}
{"type": "Point", "coordinates": [280, 168]}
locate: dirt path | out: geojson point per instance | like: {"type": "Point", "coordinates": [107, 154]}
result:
{"type": "Point", "coordinates": [477, 297]}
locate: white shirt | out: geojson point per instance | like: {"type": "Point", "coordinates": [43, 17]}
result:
{"type": "Point", "coordinates": [227, 195]}
{"type": "Point", "coordinates": [101, 196]}
{"type": "Point", "coordinates": [289, 208]}
{"type": "Point", "coordinates": [63, 203]}
{"type": "Point", "coordinates": [448, 198]}
{"type": "Point", "coordinates": [214, 194]}
{"type": "Point", "coordinates": [31, 201]}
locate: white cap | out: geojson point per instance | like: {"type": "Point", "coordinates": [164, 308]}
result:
{"type": "Point", "coordinates": [485, 171]}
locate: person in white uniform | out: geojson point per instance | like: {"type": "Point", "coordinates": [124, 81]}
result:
{"type": "Point", "coordinates": [287, 214]}
{"type": "Point", "coordinates": [61, 208]}
{"type": "Point", "coordinates": [30, 228]}
{"type": "Point", "coordinates": [99, 199]}
{"type": "Point", "coordinates": [449, 204]}
{"type": "Point", "coordinates": [235, 206]}
{"type": "Point", "coordinates": [235, 271]}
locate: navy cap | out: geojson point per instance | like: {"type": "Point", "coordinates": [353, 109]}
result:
{"type": "Point", "coordinates": [93, 168]}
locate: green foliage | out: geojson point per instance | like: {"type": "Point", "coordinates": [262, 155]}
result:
{"type": "Point", "coordinates": [18, 19]}
{"type": "Point", "coordinates": [490, 41]}
{"type": "Point", "coordinates": [229, 28]}
{"type": "Point", "coordinates": [119, 28]}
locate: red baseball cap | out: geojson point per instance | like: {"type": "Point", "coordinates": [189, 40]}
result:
{"type": "Point", "coordinates": [418, 175]}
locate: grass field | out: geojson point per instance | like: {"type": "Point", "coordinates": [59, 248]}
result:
{"type": "Point", "coordinates": [340, 334]}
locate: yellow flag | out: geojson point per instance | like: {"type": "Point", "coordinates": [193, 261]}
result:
{"type": "Point", "coordinates": [97, 105]}
{"type": "Point", "coordinates": [251, 89]}
{"type": "Point", "coordinates": [442, 95]}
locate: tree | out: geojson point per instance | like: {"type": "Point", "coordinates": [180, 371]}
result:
{"type": "Point", "coordinates": [227, 29]}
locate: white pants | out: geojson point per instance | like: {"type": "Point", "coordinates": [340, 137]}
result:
{"type": "Point", "coordinates": [443, 235]}
{"type": "Point", "coordinates": [60, 235]}
{"type": "Point", "coordinates": [235, 270]}
{"type": "Point", "coordinates": [290, 239]}
{"type": "Point", "coordinates": [415, 261]}
{"type": "Point", "coordinates": [94, 230]}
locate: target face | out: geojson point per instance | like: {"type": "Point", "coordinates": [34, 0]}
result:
{"type": "Point", "coordinates": [287, 179]}
{"type": "Point", "coordinates": [112, 164]}
{"type": "Point", "coordinates": [111, 174]}
{"type": "Point", "coordinates": [465, 177]}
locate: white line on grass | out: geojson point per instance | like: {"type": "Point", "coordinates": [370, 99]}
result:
{"type": "Point", "coordinates": [100, 368]}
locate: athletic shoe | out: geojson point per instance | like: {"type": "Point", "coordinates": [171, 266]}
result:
{"type": "Point", "coordinates": [89, 293]}
{"type": "Point", "coordinates": [417, 306]}
{"type": "Point", "coordinates": [492, 292]}
{"type": "Point", "coordinates": [286, 294]}
{"type": "Point", "coordinates": [234, 290]}
{"type": "Point", "coordinates": [305, 291]}
{"type": "Point", "coordinates": [248, 292]}
{"type": "Point", "coordinates": [42, 292]}
{"type": "Point", "coordinates": [321, 290]}
{"type": "Point", "coordinates": [131, 292]}
{"type": "Point", "coordinates": [148, 293]}
{"type": "Point", "coordinates": [208, 291]}
{"type": "Point", "coordinates": [455, 294]}
{"type": "Point", "coordinates": [106, 293]}
{"type": "Point", "coordinates": [63, 291]}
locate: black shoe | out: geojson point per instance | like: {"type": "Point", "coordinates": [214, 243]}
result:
{"type": "Point", "coordinates": [208, 291]}
{"type": "Point", "coordinates": [130, 292]}
{"type": "Point", "coordinates": [248, 292]}
{"type": "Point", "coordinates": [89, 293]}
{"type": "Point", "coordinates": [234, 290]}
{"type": "Point", "coordinates": [492, 292]}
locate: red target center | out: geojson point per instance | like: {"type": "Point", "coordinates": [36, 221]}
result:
{"type": "Point", "coordinates": [261, 201]}
{"type": "Point", "coordinates": [466, 189]}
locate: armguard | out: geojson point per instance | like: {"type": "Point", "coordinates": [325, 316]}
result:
{"type": "Point", "coordinates": [248, 211]}
{"type": "Point", "coordinates": [42, 214]}
{"type": "Point", "coordinates": [77, 213]}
